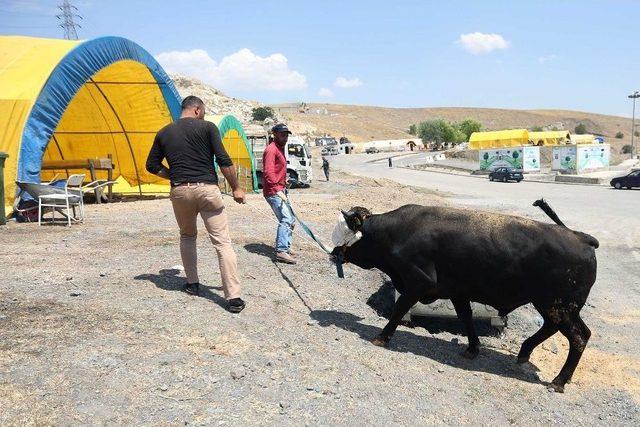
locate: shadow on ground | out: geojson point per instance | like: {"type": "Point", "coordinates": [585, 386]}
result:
{"type": "Point", "coordinates": [267, 251]}
{"type": "Point", "coordinates": [444, 352]}
{"type": "Point", "coordinates": [168, 280]}
{"type": "Point", "coordinates": [260, 249]}
{"type": "Point", "coordinates": [382, 302]}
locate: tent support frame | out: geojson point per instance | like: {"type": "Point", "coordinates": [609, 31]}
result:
{"type": "Point", "coordinates": [115, 113]}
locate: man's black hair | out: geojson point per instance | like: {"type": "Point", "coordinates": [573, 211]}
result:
{"type": "Point", "coordinates": [191, 101]}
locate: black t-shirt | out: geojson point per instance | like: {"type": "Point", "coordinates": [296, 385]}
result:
{"type": "Point", "coordinates": [190, 146]}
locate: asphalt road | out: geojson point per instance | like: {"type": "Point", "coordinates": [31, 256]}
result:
{"type": "Point", "coordinates": [612, 216]}
{"type": "Point", "coordinates": [602, 211]}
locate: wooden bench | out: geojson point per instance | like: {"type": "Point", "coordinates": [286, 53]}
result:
{"type": "Point", "coordinates": [92, 165]}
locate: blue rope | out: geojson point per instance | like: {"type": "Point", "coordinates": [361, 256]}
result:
{"type": "Point", "coordinates": [338, 258]}
{"type": "Point", "coordinates": [307, 229]}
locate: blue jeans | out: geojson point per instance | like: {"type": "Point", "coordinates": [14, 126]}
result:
{"type": "Point", "coordinates": [286, 220]}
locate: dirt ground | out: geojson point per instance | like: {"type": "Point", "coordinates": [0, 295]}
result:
{"type": "Point", "coordinates": [94, 329]}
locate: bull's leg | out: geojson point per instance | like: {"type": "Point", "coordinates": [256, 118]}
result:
{"type": "Point", "coordinates": [401, 307]}
{"type": "Point", "coordinates": [585, 332]}
{"type": "Point", "coordinates": [548, 328]}
{"type": "Point", "coordinates": [463, 310]}
{"type": "Point", "coordinates": [578, 334]}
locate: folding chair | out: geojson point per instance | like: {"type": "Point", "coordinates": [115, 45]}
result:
{"type": "Point", "coordinates": [71, 199]}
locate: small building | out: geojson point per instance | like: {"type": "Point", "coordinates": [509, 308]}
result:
{"type": "Point", "coordinates": [525, 158]}
{"type": "Point", "coordinates": [575, 159]}
{"type": "Point", "coordinates": [393, 144]}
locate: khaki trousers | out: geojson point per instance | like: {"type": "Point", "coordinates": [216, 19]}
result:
{"type": "Point", "coordinates": [188, 201]}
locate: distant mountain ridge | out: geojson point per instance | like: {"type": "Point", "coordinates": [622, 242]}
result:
{"type": "Point", "coordinates": [365, 123]}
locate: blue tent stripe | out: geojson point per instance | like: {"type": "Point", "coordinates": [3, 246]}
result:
{"type": "Point", "coordinates": [65, 81]}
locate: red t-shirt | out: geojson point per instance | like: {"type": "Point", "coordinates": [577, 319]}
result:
{"type": "Point", "coordinates": [274, 170]}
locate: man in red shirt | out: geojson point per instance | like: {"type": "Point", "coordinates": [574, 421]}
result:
{"type": "Point", "coordinates": [274, 189]}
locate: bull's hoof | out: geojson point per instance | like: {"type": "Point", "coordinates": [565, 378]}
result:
{"type": "Point", "coordinates": [470, 354]}
{"type": "Point", "coordinates": [555, 388]}
{"type": "Point", "coordinates": [522, 359]}
{"type": "Point", "coordinates": [380, 341]}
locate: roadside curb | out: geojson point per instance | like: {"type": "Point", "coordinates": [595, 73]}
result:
{"type": "Point", "coordinates": [392, 157]}
{"type": "Point", "coordinates": [468, 174]}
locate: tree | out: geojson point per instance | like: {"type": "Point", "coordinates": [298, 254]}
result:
{"type": "Point", "coordinates": [619, 135]}
{"type": "Point", "coordinates": [432, 131]}
{"type": "Point", "coordinates": [459, 136]}
{"type": "Point", "coordinates": [536, 129]}
{"type": "Point", "coordinates": [439, 131]}
{"type": "Point", "coordinates": [413, 130]}
{"type": "Point", "coordinates": [260, 113]}
{"type": "Point", "coordinates": [449, 132]}
{"type": "Point", "coordinates": [581, 129]}
{"type": "Point", "coordinates": [627, 149]}
{"type": "Point", "coordinates": [467, 127]}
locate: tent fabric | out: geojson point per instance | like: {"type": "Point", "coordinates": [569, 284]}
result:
{"type": "Point", "coordinates": [63, 99]}
{"type": "Point", "coordinates": [582, 139]}
{"type": "Point", "coordinates": [553, 137]}
{"type": "Point", "coordinates": [499, 139]}
{"type": "Point", "coordinates": [238, 147]}
{"type": "Point", "coordinates": [237, 144]}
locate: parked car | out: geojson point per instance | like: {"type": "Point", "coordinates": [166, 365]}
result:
{"type": "Point", "coordinates": [632, 179]}
{"type": "Point", "coordinates": [372, 150]}
{"type": "Point", "coordinates": [505, 174]}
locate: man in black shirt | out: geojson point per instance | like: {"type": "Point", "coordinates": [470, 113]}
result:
{"type": "Point", "coordinates": [191, 145]}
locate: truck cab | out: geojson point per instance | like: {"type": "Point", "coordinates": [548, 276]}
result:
{"type": "Point", "coordinates": [298, 160]}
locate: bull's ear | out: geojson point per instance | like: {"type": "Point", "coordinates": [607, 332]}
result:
{"type": "Point", "coordinates": [353, 219]}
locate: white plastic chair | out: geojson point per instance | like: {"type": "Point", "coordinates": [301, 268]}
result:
{"type": "Point", "coordinates": [98, 184]}
{"type": "Point", "coordinates": [72, 198]}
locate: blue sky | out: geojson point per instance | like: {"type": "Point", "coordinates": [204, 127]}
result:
{"type": "Point", "coordinates": [579, 55]}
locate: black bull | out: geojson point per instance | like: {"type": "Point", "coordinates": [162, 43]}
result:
{"type": "Point", "coordinates": [435, 253]}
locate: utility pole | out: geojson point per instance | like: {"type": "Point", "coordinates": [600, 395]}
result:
{"type": "Point", "coordinates": [67, 16]}
{"type": "Point", "coordinates": [633, 96]}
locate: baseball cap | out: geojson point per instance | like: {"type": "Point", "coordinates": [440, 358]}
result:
{"type": "Point", "coordinates": [280, 127]}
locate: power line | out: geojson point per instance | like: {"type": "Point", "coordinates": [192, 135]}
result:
{"type": "Point", "coordinates": [67, 17]}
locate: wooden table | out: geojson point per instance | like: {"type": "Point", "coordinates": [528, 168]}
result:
{"type": "Point", "coordinates": [92, 165]}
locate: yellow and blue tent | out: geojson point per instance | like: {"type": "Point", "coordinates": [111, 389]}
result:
{"type": "Point", "coordinates": [62, 99]}
{"type": "Point", "coordinates": [75, 100]}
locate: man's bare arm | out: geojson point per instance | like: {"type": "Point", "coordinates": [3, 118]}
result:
{"type": "Point", "coordinates": [229, 173]}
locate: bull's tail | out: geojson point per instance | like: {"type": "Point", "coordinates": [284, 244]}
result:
{"type": "Point", "coordinates": [588, 239]}
{"type": "Point", "coordinates": [542, 204]}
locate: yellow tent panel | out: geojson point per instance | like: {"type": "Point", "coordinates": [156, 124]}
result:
{"type": "Point", "coordinates": [582, 139]}
{"type": "Point", "coordinates": [499, 139]}
{"type": "Point", "coordinates": [239, 149]}
{"type": "Point", "coordinates": [553, 137]}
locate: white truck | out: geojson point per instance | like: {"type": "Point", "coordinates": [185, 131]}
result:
{"type": "Point", "coordinates": [296, 151]}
